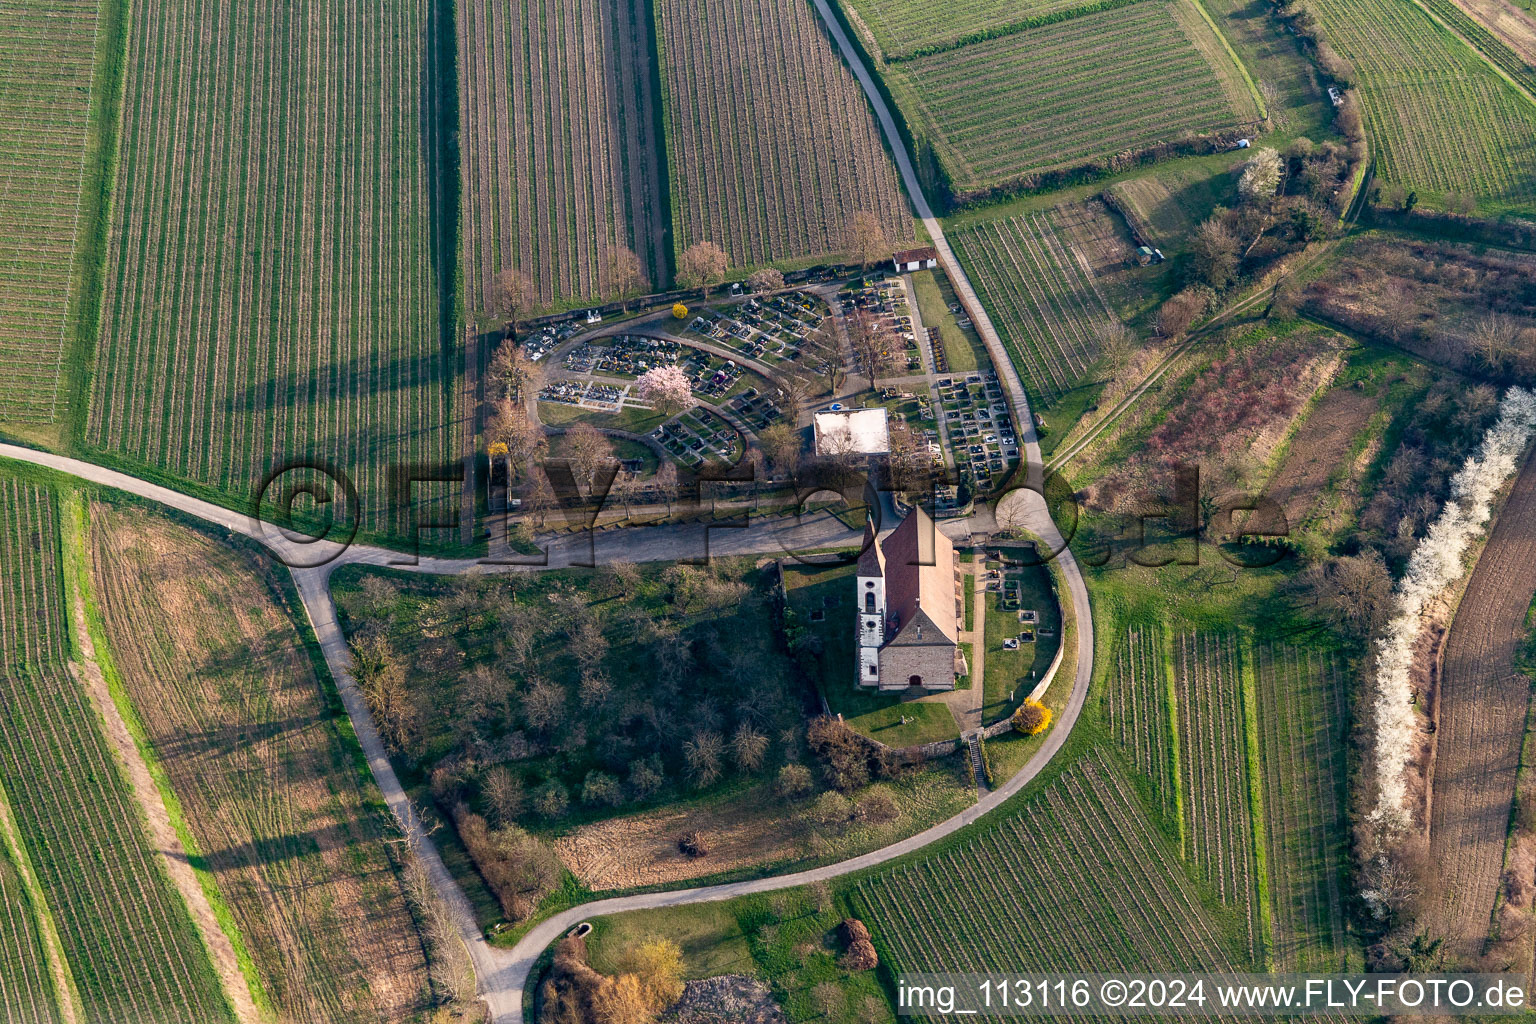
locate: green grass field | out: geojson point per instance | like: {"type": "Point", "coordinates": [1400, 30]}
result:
{"type": "Point", "coordinates": [1065, 93]}
{"type": "Point", "coordinates": [131, 949]}
{"type": "Point", "coordinates": [1441, 121]}
{"type": "Point", "coordinates": [903, 30]}
{"type": "Point", "coordinates": [273, 289]}
{"type": "Point", "coordinates": [962, 348]}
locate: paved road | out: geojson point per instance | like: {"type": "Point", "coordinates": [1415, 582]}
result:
{"type": "Point", "coordinates": [957, 276]}
{"type": "Point", "coordinates": [503, 973]}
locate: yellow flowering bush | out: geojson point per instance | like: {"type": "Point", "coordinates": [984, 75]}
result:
{"type": "Point", "coordinates": [1032, 718]}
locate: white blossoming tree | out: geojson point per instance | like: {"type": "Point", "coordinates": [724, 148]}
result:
{"type": "Point", "coordinates": [1261, 178]}
{"type": "Point", "coordinates": [1435, 565]}
{"type": "Point", "coordinates": [667, 388]}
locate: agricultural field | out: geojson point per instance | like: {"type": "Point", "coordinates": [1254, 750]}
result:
{"type": "Point", "coordinates": [131, 947]}
{"type": "Point", "coordinates": [1075, 880]}
{"type": "Point", "coordinates": [558, 146]}
{"type": "Point", "coordinates": [1136, 711]}
{"type": "Point", "coordinates": [266, 300]}
{"type": "Point", "coordinates": [903, 30]}
{"type": "Point", "coordinates": [1509, 20]}
{"type": "Point", "coordinates": [1303, 726]}
{"type": "Point", "coordinates": [1041, 295]}
{"type": "Point", "coordinates": [1094, 232]}
{"type": "Point", "coordinates": [1169, 203]}
{"type": "Point", "coordinates": [27, 992]}
{"type": "Point", "coordinates": [1482, 706]}
{"type": "Point", "coordinates": [1496, 43]}
{"type": "Point", "coordinates": [32, 622]}
{"type": "Point", "coordinates": [1215, 773]}
{"type": "Point", "coordinates": [206, 651]}
{"type": "Point", "coordinates": [47, 61]}
{"type": "Point", "coordinates": [1082, 89]}
{"type": "Point", "coordinates": [1319, 482]}
{"type": "Point", "coordinates": [1441, 121]}
{"type": "Point", "coordinates": [1286, 77]}
{"type": "Point", "coordinates": [754, 166]}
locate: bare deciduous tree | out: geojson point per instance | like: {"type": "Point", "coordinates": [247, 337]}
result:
{"type": "Point", "coordinates": [667, 484]}
{"type": "Point", "coordinates": [1179, 313]}
{"type": "Point", "coordinates": [1215, 253]}
{"type": "Point", "coordinates": [701, 753]}
{"type": "Point", "coordinates": [1116, 342]}
{"type": "Point", "coordinates": [511, 425]}
{"type": "Point", "coordinates": [589, 450]}
{"type": "Point", "coordinates": [512, 374]}
{"type": "Point", "coordinates": [748, 747]}
{"type": "Point", "coordinates": [628, 273]}
{"type": "Point", "coordinates": [874, 345]}
{"type": "Point", "coordinates": [783, 444]}
{"type": "Point", "coordinates": [765, 280]}
{"type": "Point", "coordinates": [865, 239]}
{"type": "Point", "coordinates": [1494, 338]}
{"type": "Point", "coordinates": [702, 265]}
{"type": "Point", "coordinates": [1397, 308]}
{"type": "Point", "coordinates": [512, 294]}
{"type": "Point", "coordinates": [821, 353]}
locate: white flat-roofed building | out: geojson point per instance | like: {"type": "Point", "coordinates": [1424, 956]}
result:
{"type": "Point", "coordinates": [852, 432]}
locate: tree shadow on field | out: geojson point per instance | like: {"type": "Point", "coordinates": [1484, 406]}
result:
{"type": "Point", "coordinates": [221, 742]}
{"type": "Point", "coordinates": [439, 121]}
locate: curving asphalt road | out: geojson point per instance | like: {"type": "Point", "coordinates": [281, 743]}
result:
{"type": "Point", "coordinates": [503, 974]}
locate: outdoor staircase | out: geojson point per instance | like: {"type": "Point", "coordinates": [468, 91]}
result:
{"type": "Point", "coordinates": [974, 743]}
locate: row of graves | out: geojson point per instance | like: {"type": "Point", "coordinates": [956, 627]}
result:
{"type": "Point", "coordinates": [698, 436]}
{"type": "Point", "coordinates": [630, 355]}
{"type": "Point", "coordinates": [940, 353]}
{"type": "Point", "coordinates": [537, 346]}
{"type": "Point", "coordinates": [771, 331]}
{"type": "Point", "coordinates": [588, 394]}
{"type": "Point", "coordinates": [886, 301]}
{"type": "Point", "coordinates": [980, 427]}
{"type": "Point", "coordinates": [758, 410]}
{"type": "Point", "coordinates": [915, 409]}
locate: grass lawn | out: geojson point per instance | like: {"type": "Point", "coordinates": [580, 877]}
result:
{"type": "Point", "coordinates": [709, 935]}
{"type": "Point", "coordinates": [1009, 670]}
{"type": "Point", "coordinates": [630, 418]}
{"type": "Point", "coordinates": [934, 297]}
{"type": "Point", "coordinates": [879, 715]}
{"type": "Point", "coordinates": [622, 449]}
{"type": "Point", "coordinates": [785, 938]}
{"type": "Point", "coordinates": [1061, 416]}
{"type": "Point", "coordinates": [828, 590]}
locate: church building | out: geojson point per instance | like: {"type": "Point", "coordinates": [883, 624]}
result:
{"type": "Point", "coordinates": [908, 608]}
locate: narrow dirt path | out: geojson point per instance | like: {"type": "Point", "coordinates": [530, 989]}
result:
{"type": "Point", "coordinates": [162, 834]}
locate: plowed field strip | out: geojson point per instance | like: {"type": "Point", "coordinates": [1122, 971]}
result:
{"type": "Point", "coordinates": [1482, 710]}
